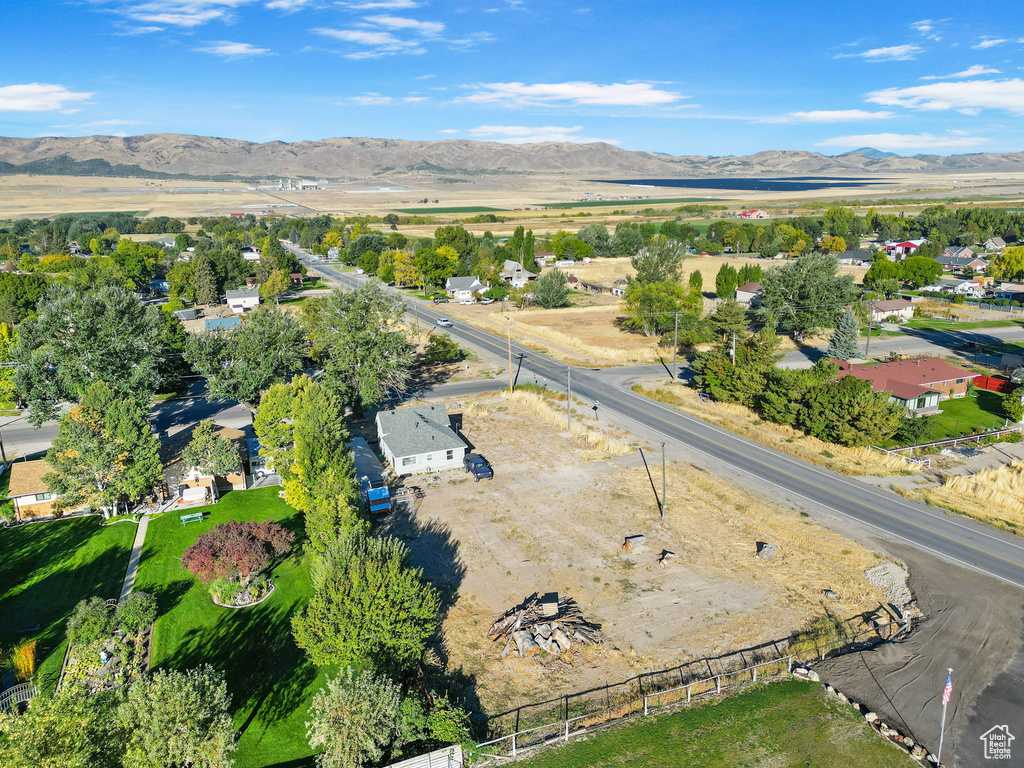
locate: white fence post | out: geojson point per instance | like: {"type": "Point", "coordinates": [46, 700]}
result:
{"type": "Point", "coordinates": [566, 730]}
{"type": "Point", "coordinates": [688, 691]}
{"type": "Point", "coordinates": [513, 745]}
{"type": "Point", "coordinates": [645, 705]}
{"type": "Point", "coordinates": [755, 675]}
{"type": "Point", "coordinates": [718, 683]}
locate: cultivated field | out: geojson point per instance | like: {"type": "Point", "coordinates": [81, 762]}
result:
{"type": "Point", "coordinates": [554, 519]}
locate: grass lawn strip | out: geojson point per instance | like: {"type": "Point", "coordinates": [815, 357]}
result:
{"type": "Point", "coordinates": [967, 325]}
{"type": "Point", "coordinates": [780, 724]}
{"type": "Point", "coordinates": [270, 680]}
{"type": "Point", "coordinates": [46, 569]}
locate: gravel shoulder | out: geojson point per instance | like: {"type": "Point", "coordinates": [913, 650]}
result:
{"type": "Point", "coordinates": [971, 623]}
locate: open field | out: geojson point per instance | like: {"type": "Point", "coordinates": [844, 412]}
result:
{"type": "Point", "coordinates": [554, 518]}
{"type": "Point", "coordinates": [45, 569]}
{"type": "Point", "coordinates": [993, 496]}
{"type": "Point", "coordinates": [744, 421]}
{"type": "Point", "coordinates": [270, 680]}
{"type": "Point", "coordinates": [522, 195]}
{"type": "Point", "coordinates": [779, 724]}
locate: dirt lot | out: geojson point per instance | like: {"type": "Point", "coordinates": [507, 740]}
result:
{"type": "Point", "coordinates": [554, 519]}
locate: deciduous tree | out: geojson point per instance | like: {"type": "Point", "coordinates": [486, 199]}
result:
{"type": "Point", "coordinates": [211, 453]}
{"type": "Point", "coordinates": [551, 290]}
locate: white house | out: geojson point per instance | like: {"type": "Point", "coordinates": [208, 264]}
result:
{"type": "Point", "coordinates": [748, 293]}
{"type": "Point", "coordinates": [754, 213]}
{"type": "Point", "coordinates": [971, 288]}
{"type": "Point", "coordinates": [516, 275]}
{"type": "Point", "coordinates": [242, 300]}
{"type": "Point", "coordinates": [462, 288]}
{"type": "Point", "coordinates": [893, 308]}
{"type": "Point", "coordinates": [419, 439]}
{"type": "Point", "coordinates": [903, 248]}
{"type": "Point", "coordinates": [251, 253]}
{"type": "Point", "coordinates": [996, 244]}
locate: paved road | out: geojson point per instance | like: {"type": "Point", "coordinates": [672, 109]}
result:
{"type": "Point", "coordinates": [954, 538]}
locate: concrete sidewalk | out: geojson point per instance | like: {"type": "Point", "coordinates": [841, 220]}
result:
{"type": "Point", "coordinates": [133, 561]}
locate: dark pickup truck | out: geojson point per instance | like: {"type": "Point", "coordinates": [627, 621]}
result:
{"type": "Point", "coordinates": [478, 467]}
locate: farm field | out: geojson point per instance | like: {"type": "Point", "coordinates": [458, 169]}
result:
{"type": "Point", "coordinates": [46, 569]}
{"type": "Point", "coordinates": [487, 546]}
{"type": "Point", "coordinates": [780, 724]}
{"type": "Point", "coordinates": [270, 680]}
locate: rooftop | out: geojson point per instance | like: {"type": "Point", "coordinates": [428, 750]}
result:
{"type": "Point", "coordinates": [905, 378]}
{"type": "Point", "coordinates": [27, 477]}
{"type": "Point", "coordinates": [890, 305]}
{"type": "Point", "coordinates": [243, 293]}
{"type": "Point", "coordinates": [422, 429]}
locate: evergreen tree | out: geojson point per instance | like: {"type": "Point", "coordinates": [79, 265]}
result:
{"type": "Point", "coordinates": [552, 290]}
{"type": "Point", "coordinates": [697, 280]}
{"type": "Point", "coordinates": [844, 341]}
{"type": "Point", "coordinates": [726, 282]}
{"type": "Point", "coordinates": [205, 290]}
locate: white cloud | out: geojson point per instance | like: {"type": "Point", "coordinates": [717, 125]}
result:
{"type": "Point", "coordinates": [894, 141]}
{"type": "Point", "coordinates": [380, 43]}
{"type": "Point", "coordinates": [989, 42]}
{"type": "Point", "coordinates": [427, 28]}
{"type": "Point", "coordinates": [413, 99]}
{"type": "Point", "coordinates": [38, 97]}
{"type": "Point", "coordinates": [889, 53]}
{"type": "Point", "coordinates": [371, 99]}
{"type": "Point", "coordinates": [230, 50]}
{"type": "Point", "coordinates": [574, 92]}
{"type": "Point", "coordinates": [521, 134]}
{"type": "Point", "coordinates": [927, 28]}
{"type": "Point", "coordinates": [448, 130]}
{"type": "Point", "coordinates": [393, 4]}
{"type": "Point", "coordinates": [828, 116]}
{"type": "Point", "coordinates": [972, 71]}
{"type": "Point", "coordinates": [968, 94]}
{"type": "Point", "coordinates": [289, 5]}
{"type": "Point", "coordinates": [424, 77]}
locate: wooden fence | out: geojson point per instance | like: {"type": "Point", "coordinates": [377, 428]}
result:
{"type": "Point", "coordinates": [653, 691]}
{"type": "Point", "coordinates": [994, 384]}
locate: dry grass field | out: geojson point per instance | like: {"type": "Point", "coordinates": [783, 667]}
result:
{"type": "Point", "coordinates": [554, 518]}
{"type": "Point", "coordinates": [993, 496]}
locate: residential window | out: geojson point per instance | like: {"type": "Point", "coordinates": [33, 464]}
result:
{"type": "Point", "coordinates": [921, 402]}
{"type": "Point", "coordinates": [408, 461]}
{"type": "Point", "coordinates": [450, 455]}
{"type": "Point", "coordinates": [430, 457]}
{"type": "Point", "coordinates": [960, 381]}
{"type": "Point", "coordinates": [44, 496]}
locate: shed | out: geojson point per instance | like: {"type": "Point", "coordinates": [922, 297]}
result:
{"type": "Point", "coordinates": [419, 439]}
{"type": "Point", "coordinates": [222, 323]}
{"type": "Point", "coordinates": [187, 314]}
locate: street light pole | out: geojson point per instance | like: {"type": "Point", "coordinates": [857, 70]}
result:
{"type": "Point", "coordinates": [508, 328]}
{"type": "Point", "coordinates": [664, 485]}
{"type": "Point", "coordinates": [675, 347]}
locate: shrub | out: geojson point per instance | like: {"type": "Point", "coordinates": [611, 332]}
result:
{"type": "Point", "coordinates": [236, 551]}
{"type": "Point", "coordinates": [443, 349]}
{"type": "Point", "coordinates": [90, 621]}
{"type": "Point", "coordinates": [23, 659]}
{"type": "Point", "coordinates": [136, 613]}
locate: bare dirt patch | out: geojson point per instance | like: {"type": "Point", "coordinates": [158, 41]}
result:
{"type": "Point", "coordinates": [554, 518]}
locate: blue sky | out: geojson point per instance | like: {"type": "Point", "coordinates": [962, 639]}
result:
{"type": "Point", "coordinates": [677, 77]}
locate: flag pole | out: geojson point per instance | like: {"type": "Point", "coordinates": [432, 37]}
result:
{"type": "Point", "coordinates": [946, 692]}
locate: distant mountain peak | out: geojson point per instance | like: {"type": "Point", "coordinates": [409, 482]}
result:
{"type": "Point", "coordinates": [870, 153]}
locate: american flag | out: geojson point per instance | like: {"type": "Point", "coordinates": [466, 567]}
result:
{"type": "Point", "coordinates": [948, 690]}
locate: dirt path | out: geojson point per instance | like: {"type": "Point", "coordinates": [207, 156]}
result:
{"type": "Point", "coordinates": [973, 625]}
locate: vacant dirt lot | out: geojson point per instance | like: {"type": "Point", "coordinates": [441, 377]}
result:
{"type": "Point", "coordinates": [554, 519]}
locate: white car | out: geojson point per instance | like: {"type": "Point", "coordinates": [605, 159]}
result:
{"type": "Point", "coordinates": [486, 301]}
{"type": "Point", "coordinates": [444, 322]}
{"type": "Point", "coordinates": [468, 302]}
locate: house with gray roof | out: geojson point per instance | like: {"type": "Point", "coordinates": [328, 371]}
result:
{"type": "Point", "coordinates": [243, 299]}
{"type": "Point", "coordinates": [419, 439]}
{"type": "Point", "coordinates": [955, 262]}
{"type": "Point", "coordinates": [995, 244]}
{"type": "Point", "coordinates": [461, 288]}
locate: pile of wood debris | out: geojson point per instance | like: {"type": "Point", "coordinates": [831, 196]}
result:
{"type": "Point", "coordinates": [547, 623]}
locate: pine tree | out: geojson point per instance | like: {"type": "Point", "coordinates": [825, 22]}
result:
{"type": "Point", "coordinates": [843, 343]}
{"type": "Point", "coordinates": [697, 280]}
{"type": "Point", "coordinates": [205, 290]}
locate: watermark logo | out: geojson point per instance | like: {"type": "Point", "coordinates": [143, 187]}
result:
{"type": "Point", "coordinates": [997, 742]}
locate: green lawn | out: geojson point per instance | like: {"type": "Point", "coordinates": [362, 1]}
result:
{"type": "Point", "coordinates": [791, 724]}
{"type": "Point", "coordinates": [270, 679]}
{"type": "Point", "coordinates": [960, 416]}
{"type": "Point", "coordinates": [45, 569]}
{"type": "Point", "coordinates": [921, 323]}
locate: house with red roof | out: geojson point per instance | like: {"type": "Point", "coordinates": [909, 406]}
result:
{"type": "Point", "coordinates": [918, 385]}
{"type": "Point", "coordinates": [754, 213]}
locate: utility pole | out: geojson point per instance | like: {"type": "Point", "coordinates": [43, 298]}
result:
{"type": "Point", "coordinates": [675, 347]}
{"type": "Point", "coordinates": [867, 348]}
{"type": "Point", "coordinates": [664, 486]}
{"type": "Point", "coordinates": [568, 400]}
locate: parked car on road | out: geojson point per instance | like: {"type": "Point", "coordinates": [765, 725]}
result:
{"type": "Point", "coordinates": [468, 302]}
{"type": "Point", "coordinates": [478, 466]}
{"type": "Point", "coordinates": [440, 300]}
{"type": "Point", "coordinates": [444, 322]}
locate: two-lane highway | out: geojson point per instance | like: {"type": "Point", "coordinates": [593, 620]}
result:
{"type": "Point", "coordinates": [952, 537]}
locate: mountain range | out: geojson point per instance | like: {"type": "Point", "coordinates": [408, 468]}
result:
{"type": "Point", "coordinates": [184, 156]}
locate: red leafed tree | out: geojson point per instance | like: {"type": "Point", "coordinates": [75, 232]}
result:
{"type": "Point", "coordinates": [236, 551]}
